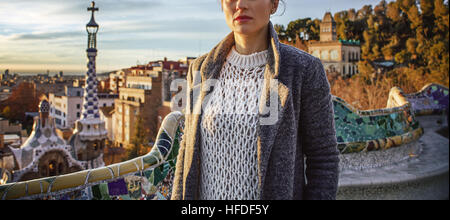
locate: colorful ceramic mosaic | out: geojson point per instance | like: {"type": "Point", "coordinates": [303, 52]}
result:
{"type": "Point", "coordinates": [375, 129]}
{"type": "Point", "coordinates": [431, 99]}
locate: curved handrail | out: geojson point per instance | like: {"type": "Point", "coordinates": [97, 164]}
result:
{"type": "Point", "coordinates": [159, 154]}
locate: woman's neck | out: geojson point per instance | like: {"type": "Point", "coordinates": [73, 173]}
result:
{"type": "Point", "coordinates": [249, 44]}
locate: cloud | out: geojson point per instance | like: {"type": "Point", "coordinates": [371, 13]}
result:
{"type": "Point", "coordinates": [47, 36]}
{"type": "Point", "coordinates": [107, 7]}
{"type": "Point", "coordinates": [186, 25]}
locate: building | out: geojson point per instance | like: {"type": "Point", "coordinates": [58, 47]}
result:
{"type": "Point", "coordinates": [137, 102]}
{"type": "Point", "coordinates": [337, 56]}
{"type": "Point", "coordinates": [5, 76]}
{"type": "Point", "coordinates": [67, 105]}
{"type": "Point", "coordinates": [106, 115]}
{"type": "Point", "coordinates": [44, 153]}
{"type": "Point", "coordinates": [5, 92]}
{"type": "Point", "coordinates": [144, 93]}
{"type": "Point", "coordinates": [8, 128]}
{"type": "Point", "coordinates": [118, 80]}
{"type": "Point", "coordinates": [169, 69]}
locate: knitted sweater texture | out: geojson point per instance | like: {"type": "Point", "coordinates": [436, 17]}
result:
{"type": "Point", "coordinates": [229, 148]}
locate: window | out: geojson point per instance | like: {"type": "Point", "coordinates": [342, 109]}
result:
{"type": "Point", "coordinates": [78, 114]}
{"type": "Point", "coordinates": [78, 106]}
{"type": "Point", "coordinates": [334, 55]}
{"type": "Point", "coordinates": [325, 55]}
{"type": "Point", "coordinates": [316, 53]}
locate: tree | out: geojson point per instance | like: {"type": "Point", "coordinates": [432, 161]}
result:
{"type": "Point", "coordinates": [411, 47]}
{"type": "Point", "coordinates": [414, 16]}
{"type": "Point", "coordinates": [364, 12]}
{"type": "Point", "coordinates": [413, 33]}
{"type": "Point", "coordinates": [393, 11]}
{"type": "Point", "coordinates": [314, 30]}
{"type": "Point", "coordinates": [342, 23]}
{"type": "Point", "coordinates": [280, 31]}
{"type": "Point", "coordinates": [24, 98]}
{"type": "Point", "coordinates": [139, 141]}
{"type": "Point", "coordinates": [298, 26]}
{"type": "Point", "coordinates": [6, 112]}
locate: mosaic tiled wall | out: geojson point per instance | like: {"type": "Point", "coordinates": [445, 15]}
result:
{"type": "Point", "coordinates": [353, 127]}
{"type": "Point", "coordinates": [150, 176]}
{"type": "Point", "coordinates": [377, 129]}
{"type": "Point", "coordinates": [431, 99]}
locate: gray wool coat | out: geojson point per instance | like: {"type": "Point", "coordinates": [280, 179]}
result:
{"type": "Point", "coordinates": [297, 154]}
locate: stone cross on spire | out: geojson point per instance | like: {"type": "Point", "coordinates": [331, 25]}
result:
{"type": "Point", "coordinates": [92, 8]}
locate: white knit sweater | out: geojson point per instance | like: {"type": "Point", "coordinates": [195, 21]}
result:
{"type": "Point", "coordinates": [228, 129]}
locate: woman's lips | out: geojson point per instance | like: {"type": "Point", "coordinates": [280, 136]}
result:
{"type": "Point", "coordinates": [243, 18]}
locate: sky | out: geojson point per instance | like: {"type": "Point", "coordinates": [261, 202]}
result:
{"type": "Point", "coordinates": [41, 35]}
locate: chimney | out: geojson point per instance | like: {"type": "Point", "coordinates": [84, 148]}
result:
{"type": "Point", "coordinates": [44, 109]}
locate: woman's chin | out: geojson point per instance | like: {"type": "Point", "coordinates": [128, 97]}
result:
{"type": "Point", "coordinates": [244, 29]}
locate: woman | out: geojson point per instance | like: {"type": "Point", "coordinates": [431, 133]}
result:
{"type": "Point", "coordinates": [256, 110]}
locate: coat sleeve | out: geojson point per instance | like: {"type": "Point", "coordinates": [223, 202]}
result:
{"type": "Point", "coordinates": [318, 135]}
{"type": "Point", "coordinates": [177, 187]}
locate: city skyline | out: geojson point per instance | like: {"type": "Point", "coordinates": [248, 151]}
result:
{"type": "Point", "coordinates": [50, 35]}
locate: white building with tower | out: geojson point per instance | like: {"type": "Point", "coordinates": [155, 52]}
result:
{"type": "Point", "coordinates": [338, 56]}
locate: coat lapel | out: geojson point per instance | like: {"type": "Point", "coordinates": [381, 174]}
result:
{"type": "Point", "coordinates": [267, 130]}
